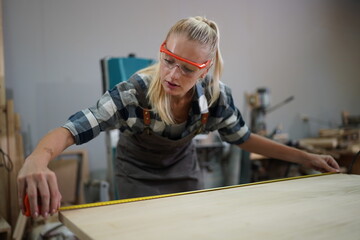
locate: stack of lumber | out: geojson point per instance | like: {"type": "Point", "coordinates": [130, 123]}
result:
{"type": "Point", "coordinates": [11, 160]}
{"type": "Point", "coordinates": [341, 143]}
{"type": "Point", "coordinates": [347, 139]}
{"type": "Point", "coordinates": [11, 154]}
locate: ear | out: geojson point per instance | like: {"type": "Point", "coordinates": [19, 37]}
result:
{"type": "Point", "coordinates": [207, 70]}
{"type": "Point", "coordinates": [204, 73]}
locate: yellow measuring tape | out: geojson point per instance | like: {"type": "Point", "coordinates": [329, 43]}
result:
{"type": "Point", "coordinates": [98, 204]}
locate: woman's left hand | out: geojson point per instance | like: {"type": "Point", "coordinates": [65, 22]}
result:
{"type": "Point", "coordinates": [322, 163]}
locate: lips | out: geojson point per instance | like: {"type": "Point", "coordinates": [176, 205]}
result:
{"type": "Point", "coordinates": [172, 84]}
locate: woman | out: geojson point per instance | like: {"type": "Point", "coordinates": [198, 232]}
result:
{"type": "Point", "coordinates": [158, 111]}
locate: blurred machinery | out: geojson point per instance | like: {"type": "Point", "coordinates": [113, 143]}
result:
{"type": "Point", "coordinates": [260, 106]}
{"type": "Point", "coordinates": [350, 121]}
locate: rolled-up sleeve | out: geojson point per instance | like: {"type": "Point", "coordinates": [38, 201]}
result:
{"type": "Point", "coordinates": [87, 124]}
{"type": "Point", "coordinates": [227, 119]}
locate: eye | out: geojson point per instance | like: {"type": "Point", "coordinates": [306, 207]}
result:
{"type": "Point", "coordinates": [169, 61]}
{"type": "Point", "coordinates": [187, 70]}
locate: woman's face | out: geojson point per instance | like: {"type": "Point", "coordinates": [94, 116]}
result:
{"type": "Point", "coordinates": [178, 77]}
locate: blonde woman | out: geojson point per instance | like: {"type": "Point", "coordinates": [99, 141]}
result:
{"type": "Point", "coordinates": [158, 111]}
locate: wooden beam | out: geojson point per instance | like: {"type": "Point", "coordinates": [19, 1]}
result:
{"type": "Point", "coordinates": [21, 220]}
{"type": "Point", "coordinates": [20, 227]}
{"type": "Point", "coordinates": [4, 184]}
{"type": "Point", "coordinates": [19, 139]}
{"type": "Point", "coordinates": [4, 174]}
{"type": "Point", "coordinates": [14, 206]}
{"type": "Point", "coordinates": [5, 229]}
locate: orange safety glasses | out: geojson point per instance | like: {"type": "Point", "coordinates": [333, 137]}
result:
{"type": "Point", "coordinates": [198, 65]}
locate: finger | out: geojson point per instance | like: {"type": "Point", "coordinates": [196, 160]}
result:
{"type": "Point", "coordinates": [44, 196]}
{"type": "Point", "coordinates": [329, 168]}
{"type": "Point", "coordinates": [335, 165]}
{"type": "Point", "coordinates": [33, 198]}
{"type": "Point", "coordinates": [55, 196]}
{"type": "Point", "coordinates": [331, 164]}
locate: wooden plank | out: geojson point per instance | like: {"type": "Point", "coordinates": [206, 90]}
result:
{"type": "Point", "coordinates": [19, 141]}
{"type": "Point", "coordinates": [83, 173]}
{"type": "Point", "coordinates": [4, 174]}
{"type": "Point", "coordinates": [66, 173]}
{"type": "Point", "coordinates": [5, 229]}
{"type": "Point", "coordinates": [324, 207]}
{"type": "Point", "coordinates": [20, 227]}
{"type": "Point", "coordinates": [21, 220]}
{"type": "Point", "coordinates": [4, 188]}
{"type": "Point", "coordinates": [329, 143]}
{"type": "Point", "coordinates": [14, 206]}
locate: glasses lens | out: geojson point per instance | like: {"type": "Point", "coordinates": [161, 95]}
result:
{"type": "Point", "coordinates": [170, 62]}
{"type": "Point", "coordinates": [188, 69]}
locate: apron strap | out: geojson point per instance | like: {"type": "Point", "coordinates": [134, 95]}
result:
{"type": "Point", "coordinates": [204, 118]}
{"type": "Point", "coordinates": [146, 115]}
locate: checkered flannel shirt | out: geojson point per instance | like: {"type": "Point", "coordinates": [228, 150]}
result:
{"type": "Point", "coordinates": [120, 108]}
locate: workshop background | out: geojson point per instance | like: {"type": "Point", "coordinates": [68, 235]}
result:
{"type": "Point", "coordinates": [304, 54]}
{"type": "Point", "coordinates": [306, 49]}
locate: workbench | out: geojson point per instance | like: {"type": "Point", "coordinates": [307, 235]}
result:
{"type": "Point", "coordinates": [325, 206]}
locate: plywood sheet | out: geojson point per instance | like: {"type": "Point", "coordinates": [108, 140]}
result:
{"type": "Point", "coordinates": [66, 173]}
{"type": "Point", "coordinates": [82, 171]}
{"type": "Point", "coordinates": [325, 207]}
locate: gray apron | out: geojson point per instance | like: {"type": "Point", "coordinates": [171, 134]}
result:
{"type": "Point", "coordinates": [148, 164]}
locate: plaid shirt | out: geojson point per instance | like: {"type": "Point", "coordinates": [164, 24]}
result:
{"type": "Point", "coordinates": [120, 108]}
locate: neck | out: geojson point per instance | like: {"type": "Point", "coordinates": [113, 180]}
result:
{"type": "Point", "coordinates": [182, 99]}
{"type": "Point", "coordinates": [180, 106]}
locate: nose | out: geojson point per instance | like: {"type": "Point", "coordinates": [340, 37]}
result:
{"type": "Point", "coordinates": [175, 72]}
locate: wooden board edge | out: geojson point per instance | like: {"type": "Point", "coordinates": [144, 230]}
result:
{"type": "Point", "coordinates": [73, 228]}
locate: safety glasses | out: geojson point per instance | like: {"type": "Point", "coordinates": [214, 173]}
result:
{"type": "Point", "coordinates": [198, 65]}
{"type": "Point", "coordinates": [187, 67]}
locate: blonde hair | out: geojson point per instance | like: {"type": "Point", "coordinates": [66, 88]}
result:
{"type": "Point", "coordinates": [197, 29]}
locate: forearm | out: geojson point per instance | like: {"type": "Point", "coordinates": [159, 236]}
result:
{"type": "Point", "coordinates": [52, 144]}
{"type": "Point", "coordinates": [269, 148]}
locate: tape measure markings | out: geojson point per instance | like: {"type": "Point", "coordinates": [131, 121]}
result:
{"type": "Point", "coordinates": [106, 203]}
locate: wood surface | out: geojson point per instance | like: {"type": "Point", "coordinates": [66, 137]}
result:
{"type": "Point", "coordinates": [322, 207]}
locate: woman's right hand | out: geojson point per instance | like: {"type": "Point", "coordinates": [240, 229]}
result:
{"type": "Point", "coordinates": [40, 184]}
